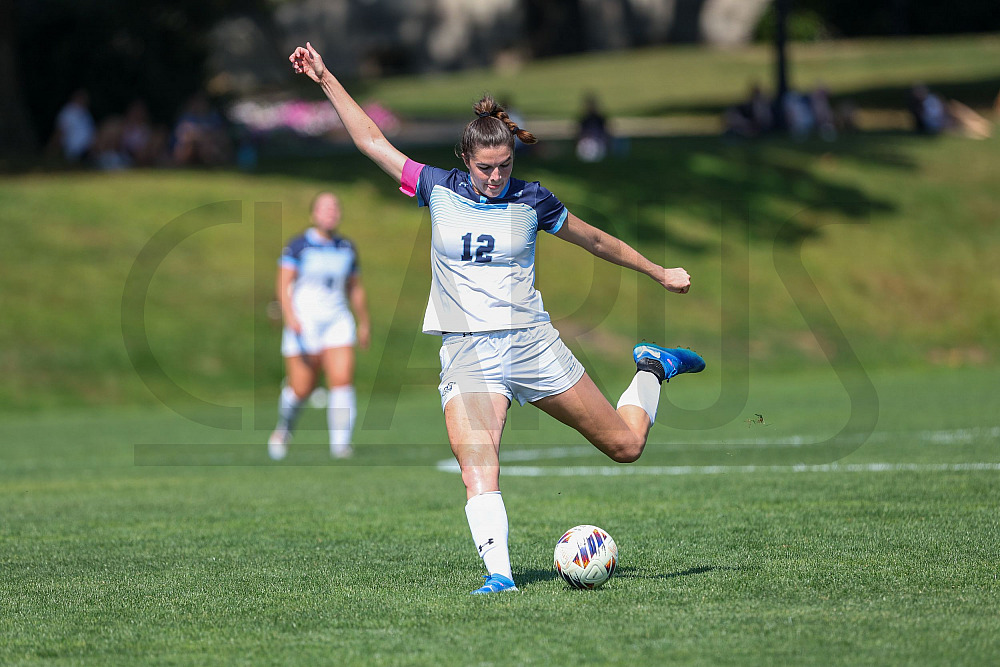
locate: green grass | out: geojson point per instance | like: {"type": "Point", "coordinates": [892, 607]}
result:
{"type": "Point", "coordinates": [842, 291]}
{"type": "Point", "coordinates": [898, 235]}
{"type": "Point", "coordinates": [116, 552]}
{"type": "Point", "coordinates": [679, 79]}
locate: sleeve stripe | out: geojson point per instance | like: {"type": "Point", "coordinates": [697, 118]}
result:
{"type": "Point", "coordinates": [562, 218]}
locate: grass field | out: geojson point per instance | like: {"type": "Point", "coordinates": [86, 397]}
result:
{"type": "Point", "coordinates": [827, 492]}
{"type": "Point", "coordinates": [670, 80]}
{"type": "Point", "coordinates": [136, 536]}
{"type": "Point", "coordinates": [892, 238]}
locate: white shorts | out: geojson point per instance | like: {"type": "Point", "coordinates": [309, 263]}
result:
{"type": "Point", "coordinates": [319, 336]}
{"type": "Point", "coordinates": [523, 364]}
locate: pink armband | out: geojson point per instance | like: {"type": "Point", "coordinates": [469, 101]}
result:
{"type": "Point", "coordinates": [411, 174]}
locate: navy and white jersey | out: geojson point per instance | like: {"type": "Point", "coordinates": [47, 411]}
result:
{"type": "Point", "coordinates": [483, 252]}
{"type": "Point", "coordinates": [322, 268]}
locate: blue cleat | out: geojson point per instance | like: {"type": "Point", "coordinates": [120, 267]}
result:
{"type": "Point", "coordinates": [495, 583]}
{"type": "Point", "coordinates": [666, 362]}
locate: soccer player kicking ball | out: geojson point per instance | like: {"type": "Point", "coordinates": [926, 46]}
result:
{"type": "Point", "coordinates": [497, 343]}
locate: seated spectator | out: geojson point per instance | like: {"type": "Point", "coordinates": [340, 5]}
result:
{"type": "Point", "coordinates": [798, 112]}
{"type": "Point", "coordinates": [141, 142]}
{"type": "Point", "coordinates": [75, 129]}
{"type": "Point", "coordinates": [822, 112]}
{"type": "Point", "coordinates": [508, 106]}
{"type": "Point", "coordinates": [593, 137]}
{"type": "Point", "coordinates": [107, 150]}
{"type": "Point", "coordinates": [846, 116]}
{"type": "Point", "coordinates": [200, 135]}
{"type": "Point", "coordinates": [928, 110]}
{"type": "Point", "coordinates": [752, 117]}
{"type": "Point", "coordinates": [760, 110]}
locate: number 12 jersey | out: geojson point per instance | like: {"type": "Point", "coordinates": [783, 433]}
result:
{"type": "Point", "coordinates": [483, 252]}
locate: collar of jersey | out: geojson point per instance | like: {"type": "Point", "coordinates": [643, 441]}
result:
{"type": "Point", "coordinates": [318, 239]}
{"type": "Point", "coordinates": [483, 199]}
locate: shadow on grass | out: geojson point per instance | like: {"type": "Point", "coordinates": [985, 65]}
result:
{"type": "Point", "coordinates": [977, 93]}
{"type": "Point", "coordinates": [635, 573]}
{"type": "Point", "coordinates": [760, 187]}
{"type": "Point", "coordinates": [529, 577]}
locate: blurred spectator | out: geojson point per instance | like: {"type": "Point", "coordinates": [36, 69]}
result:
{"type": "Point", "coordinates": [846, 116]}
{"type": "Point", "coordinates": [593, 137]}
{"type": "Point", "coordinates": [928, 110]}
{"type": "Point", "coordinates": [142, 143]}
{"type": "Point", "coordinates": [508, 106]}
{"type": "Point", "coordinates": [75, 130]}
{"type": "Point", "coordinates": [752, 117]}
{"type": "Point", "coordinates": [200, 135]}
{"type": "Point", "coordinates": [822, 113]}
{"type": "Point", "coordinates": [798, 112]}
{"type": "Point", "coordinates": [518, 118]}
{"type": "Point", "coordinates": [129, 140]}
{"type": "Point", "coordinates": [107, 150]}
{"type": "Point", "coordinates": [932, 115]}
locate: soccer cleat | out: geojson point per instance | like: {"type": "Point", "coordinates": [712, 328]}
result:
{"type": "Point", "coordinates": [495, 583]}
{"type": "Point", "coordinates": [666, 362]}
{"type": "Point", "coordinates": [277, 444]}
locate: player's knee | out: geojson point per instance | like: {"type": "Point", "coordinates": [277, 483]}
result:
{"type": "Point", "coordinates": [627, 452]}
{"type": "Point", "coordinates": [627, 456]}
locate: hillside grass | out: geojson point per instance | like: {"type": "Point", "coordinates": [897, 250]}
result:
{"type": "Point", "coordinates": [682, 79]}
{"type": "Point", "coordinates": [880, 244]}
{"type": "Point", "coordinates": [898, 236]}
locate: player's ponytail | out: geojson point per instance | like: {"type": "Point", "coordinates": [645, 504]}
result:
{"type": "Point", "coordinates": [491, 127]}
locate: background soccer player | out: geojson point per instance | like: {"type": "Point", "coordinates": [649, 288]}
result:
{"type": "Point", "coordinates": [318, 287]}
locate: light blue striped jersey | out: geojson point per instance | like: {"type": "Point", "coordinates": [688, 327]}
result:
{"type": "Point", "coordinates": [483, 252]}
{"type": "Point", "coordinates": [322, 267]}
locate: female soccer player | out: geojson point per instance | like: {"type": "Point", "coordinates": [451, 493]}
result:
{"type": "Point", "coordinates": [318, 287]}
{"type": "Point", "coordinates": [497, 342]}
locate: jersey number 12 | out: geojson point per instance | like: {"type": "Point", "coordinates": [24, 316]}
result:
{"type": "Point", "coordinates": [482, 252]}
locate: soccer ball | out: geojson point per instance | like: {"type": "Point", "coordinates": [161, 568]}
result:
{"type": "Point", "coordinates": [586, 556]}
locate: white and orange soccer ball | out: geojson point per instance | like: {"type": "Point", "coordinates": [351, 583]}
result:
{"type": "Point", "coordinates": [586, 556]}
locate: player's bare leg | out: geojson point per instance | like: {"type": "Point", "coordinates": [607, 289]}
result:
{"type": "Point", "coordinates": [475, 424]}
{"type": "Point", "coordinates": [620, 434]}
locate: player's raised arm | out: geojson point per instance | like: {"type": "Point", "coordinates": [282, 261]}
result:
{"type": "Point", "coordinates": [363, 130]}
{"type": "Point", "coordinates": [601, 244]}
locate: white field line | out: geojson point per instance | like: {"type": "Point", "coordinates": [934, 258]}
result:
{"type": "Point", "coordinates": [961, 436]}
{"type": "Point", "coordinates": [943, 437]}
{"type": "Point", "coordinates": [625, 470]}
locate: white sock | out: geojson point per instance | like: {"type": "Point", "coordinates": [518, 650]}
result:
{"type": "Point", "coordinates": [340, 412]}
{"type": "Point", "coordinates": [288, 408]}
{"type": "Point", "coordinates": [644, 392]}
{"type": "Point", "coordinates": [488, 522]}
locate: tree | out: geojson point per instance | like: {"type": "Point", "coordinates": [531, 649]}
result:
{"type": "Point", "coordinates": [17, 137]}
{"type": "Point", "coordinates": [120, 50]}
